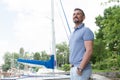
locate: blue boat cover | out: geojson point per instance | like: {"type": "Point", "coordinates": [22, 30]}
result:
{"type": "Point", "coordinates": [48, 63]}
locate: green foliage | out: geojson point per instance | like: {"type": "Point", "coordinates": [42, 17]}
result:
{"type": "Point", "coordinates": [66, 67]}
{"type": "Point", "coordinates": [111, 63]}
{"type": "Point", "coordinates": [5, 67]}
{"type": "Point", "coordinates": [109, 28]}
{"type": "Point", "coordinates": [60, 60]}
{"type": "Point", "coordinates": [21, 66]}
{"type": "Point", "coordinates": [62, 51]}
{"type": "Point", "coordinates": [99, 52]}
{"type": "Point", "coordinates": [41, 56]}
{"type": "Point", "coordinates": [44, 55]}
{"type": "Point", "coordinates": [7, 58]}
{"type": "Point", "coordinates": [36, 56]}
{"type": "Point", "coordinates": [109, 1]}
{"type": "Point", "coordinates": [35, 69]}
{"type": "Point", "coordinates": [107, 42]}
{"type": "Point", "coordinates": [117, 75]}
{"type": "Point", "coordinates": [21, 52]}
{"type": "Point", "coordinates": [7, 61]}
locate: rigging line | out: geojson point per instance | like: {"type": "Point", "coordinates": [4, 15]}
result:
{"type": "Point", "coordinates": [62, 21]}
{"type": "Point", "coordinates": [65, 16]}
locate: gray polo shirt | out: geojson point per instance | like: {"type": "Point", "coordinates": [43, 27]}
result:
{"type": "Point", "coordinates": [76, 43]}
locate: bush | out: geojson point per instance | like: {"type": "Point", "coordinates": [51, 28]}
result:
{"type": "Point", "coordinates": [5, 67]}
{"type": "Point", "coordinates": [100, 66]}
{"type": "Point", "coordinates": [111, 63]}
{"type": "Point", "coordinates": [66, 67]}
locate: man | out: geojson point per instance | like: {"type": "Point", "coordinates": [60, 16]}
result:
{"type": "Point", "coordinates": [81, 48]}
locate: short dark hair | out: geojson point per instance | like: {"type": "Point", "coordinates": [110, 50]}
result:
{"type": "Point", "coordinates": [80, 10]}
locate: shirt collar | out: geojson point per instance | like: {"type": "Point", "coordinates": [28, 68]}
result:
{"type": "Point", "coordinates": [80, 26]}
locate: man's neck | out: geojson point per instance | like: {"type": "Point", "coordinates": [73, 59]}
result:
{"type": "Point", "coordinates": [77, 24]}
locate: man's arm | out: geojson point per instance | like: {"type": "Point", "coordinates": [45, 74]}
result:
{"type": "Point", "coordinates": [87, 55]}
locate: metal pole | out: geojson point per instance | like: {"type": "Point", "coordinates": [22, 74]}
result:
{"type": "Point", "coordinates": [53, 33]}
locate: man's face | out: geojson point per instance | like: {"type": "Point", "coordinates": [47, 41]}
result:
{"type": "Point", "coordinates": [78, 17]}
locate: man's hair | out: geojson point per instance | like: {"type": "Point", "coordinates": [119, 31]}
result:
{"type": "Point", "coordinates": [80, 10]}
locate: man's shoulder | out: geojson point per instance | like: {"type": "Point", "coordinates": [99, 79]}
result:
{"type": "Point", "coordinates": [87, 29]}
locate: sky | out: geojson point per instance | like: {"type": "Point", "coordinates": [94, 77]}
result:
{"type": "Point", "coordinates": [27, 23]}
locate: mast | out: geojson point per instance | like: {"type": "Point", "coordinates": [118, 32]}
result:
{"type": "Point", "coordinates": [53, 33]}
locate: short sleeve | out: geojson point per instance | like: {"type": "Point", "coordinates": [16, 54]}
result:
{"type": "Point", "coordinates": [88, 35]}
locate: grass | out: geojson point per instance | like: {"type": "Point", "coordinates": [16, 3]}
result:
{"type": "Point", "coordinates": [107, 70]}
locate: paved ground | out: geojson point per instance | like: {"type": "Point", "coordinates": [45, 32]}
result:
{"type": "Point", "coordinates": [94, 77]}
{"type": "Point", "coordinates": [99, 77]}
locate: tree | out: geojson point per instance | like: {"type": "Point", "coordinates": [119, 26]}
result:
{"type": "Point", "coordinates": [15, 56]}
{"type": "Point", "coordinates": [5, 67]}
{"type": "Point", "coordinates": [99, 51]}
{"type": "Point", "coordinates": [21, 52]}
{"type": "Point", "coordinates": [7, 61]}
{"type": "Point", "coordinates": [107, 41]}
{"type": "Point", "coordinates": [62, 52]}
{"type": "Point", "coordinates": [36, 56]}
{"type": "Point", "coordinates": [110, 27]}
{"type": "Point", "coordinates": [44, 55]}
{"type": "Point", "coordinates": [109, 1]}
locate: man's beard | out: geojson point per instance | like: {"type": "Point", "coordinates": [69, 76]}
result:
{"type": "Point", "coordinates": [75, 21]}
